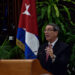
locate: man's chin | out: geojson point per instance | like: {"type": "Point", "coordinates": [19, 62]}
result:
{"type": "Point", "coordinates": [47, 39]}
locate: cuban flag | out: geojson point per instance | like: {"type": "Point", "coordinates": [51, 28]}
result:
{"type": "Point", "coordinates": [27, 32]}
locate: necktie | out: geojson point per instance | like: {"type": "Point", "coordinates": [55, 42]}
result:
{"type": "Point", "coordinates": [47, 54]}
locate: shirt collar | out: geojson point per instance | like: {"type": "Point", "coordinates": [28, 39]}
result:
{"type": "Point", "coordinates": [53, 43]}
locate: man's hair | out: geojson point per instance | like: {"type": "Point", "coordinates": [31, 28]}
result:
{"type": "Point", "coordinates": [55, 26]}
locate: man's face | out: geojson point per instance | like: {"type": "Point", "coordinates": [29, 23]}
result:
{"type": "Point", "coordinates": [50, 34]}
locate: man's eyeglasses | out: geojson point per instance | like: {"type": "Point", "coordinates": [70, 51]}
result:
{"type": "Point", "coordinates": [49, 30]}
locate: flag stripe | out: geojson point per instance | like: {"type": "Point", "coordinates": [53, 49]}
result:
{"type": "Point", "coordinates": [32, 42]}
{"type": "Point", "coordinates": [21, 35]}
{"type": "Point", "coordinates": [20, 38]}
{"type": "Point", "coordinates": [28, 53]}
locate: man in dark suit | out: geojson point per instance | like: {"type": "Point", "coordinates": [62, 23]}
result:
{"type": "Point", "coordinates": [54, 55]}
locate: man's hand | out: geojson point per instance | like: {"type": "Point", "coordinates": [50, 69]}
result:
{"type": "Point", "coordinates": [49, 51]}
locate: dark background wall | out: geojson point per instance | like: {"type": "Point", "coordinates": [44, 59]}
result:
{"type": "Point", "coordinates": [9, 16]}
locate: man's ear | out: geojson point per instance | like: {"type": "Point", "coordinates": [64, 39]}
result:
{"type": "Point", "coordinates": [56, 33]}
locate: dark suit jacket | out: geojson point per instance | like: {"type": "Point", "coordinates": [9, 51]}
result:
{"type": "Point", "coordinates": [59, 66]}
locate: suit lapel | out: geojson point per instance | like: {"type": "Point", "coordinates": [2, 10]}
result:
{"type": "Point", "coordinates": [45, 51]}
{"type": "Point", "coordinates": [57, 48]}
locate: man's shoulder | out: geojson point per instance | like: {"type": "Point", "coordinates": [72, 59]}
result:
{"type": "Point", "coordinates": [62, 44]}
{"type": "Point", "coordinates": [44, 44]}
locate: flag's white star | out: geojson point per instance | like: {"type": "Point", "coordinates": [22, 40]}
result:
{"type": "Point", "coordinates": [26, 11]}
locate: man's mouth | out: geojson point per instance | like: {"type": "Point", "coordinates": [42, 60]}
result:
{"type": "Point", "coordinates": [46, 36]}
